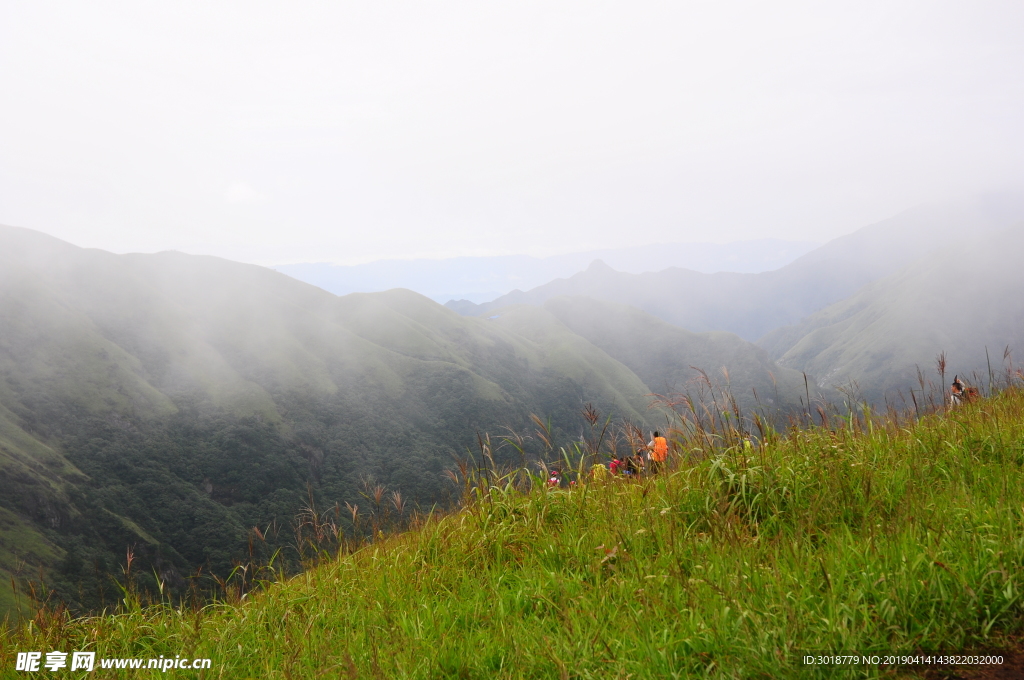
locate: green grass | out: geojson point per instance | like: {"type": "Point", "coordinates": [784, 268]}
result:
{"type": "Point", "coordinates": [880, 537]}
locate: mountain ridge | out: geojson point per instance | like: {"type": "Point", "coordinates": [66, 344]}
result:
{"type": "Point", "coordinates": [487, 277]}
{"type": "Point", "coordinates": [753, 305]}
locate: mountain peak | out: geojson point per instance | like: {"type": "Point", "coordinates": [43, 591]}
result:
{"type": "Point", "coordinates": [599, 267]}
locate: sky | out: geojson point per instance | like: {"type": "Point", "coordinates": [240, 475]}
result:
{"type": "Point", "coordinates": [352, 131]}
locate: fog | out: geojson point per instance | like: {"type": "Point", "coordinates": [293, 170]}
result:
{"type": "Point", "coordinates": [347, 132]}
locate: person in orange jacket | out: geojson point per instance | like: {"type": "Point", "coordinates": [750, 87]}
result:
{"type": "Point", "coordinates": [658, 452]}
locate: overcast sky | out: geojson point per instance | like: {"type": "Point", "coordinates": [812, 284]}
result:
{"type": "Point", "coordinates": [345, 132]}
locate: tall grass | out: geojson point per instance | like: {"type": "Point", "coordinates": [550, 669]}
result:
{"type": "Point", "coordinates": [867, 533]}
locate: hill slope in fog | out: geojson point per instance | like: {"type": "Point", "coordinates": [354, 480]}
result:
{"type": "Point", "coordinates": [670, 360]}
{"type": "Point", "coordinates": [961, 301]}
{"type": "Point", "coordinates": [175, 401]}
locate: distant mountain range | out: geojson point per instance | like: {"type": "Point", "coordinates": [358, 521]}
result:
{"type": "Point", "coordinates": [172, 402]}
{"type": "Point", "coordinates": [484, 278]}
{"type": "Point", "coordinates": [752, 305]}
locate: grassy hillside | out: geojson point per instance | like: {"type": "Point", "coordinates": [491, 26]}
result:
{"type": "Point", "coordinates": [958, 301]}
{"type": "Point", "coordinates": [871, 535]}
{"type": "Point", "coordinates": [752, 305]}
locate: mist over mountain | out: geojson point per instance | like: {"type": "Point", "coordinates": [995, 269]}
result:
{"type": "Point", "coordinates": [670, 360]}
{"type": "Point", "coordinates": [171, 402]}
{"type": "Point", "coordinates": [752, 305]}
{"type": "Point", "coordinates": [962, 300]}
{"type": "Point", "coordinates": [480, 279]}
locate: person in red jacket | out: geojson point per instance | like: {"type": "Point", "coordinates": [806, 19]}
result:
{"type": "Point", "coordinates": [555, 478]}
{"type": "Point", "coordinates": [658, 451]}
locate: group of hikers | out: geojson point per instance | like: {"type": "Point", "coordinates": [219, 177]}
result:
{"type": "Point", "coordinates": [649, 457]}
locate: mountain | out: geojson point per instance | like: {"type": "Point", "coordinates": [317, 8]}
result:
{"type": "Point", "coordinates": [485, 278]}
{"type": "Point", "coordinates": [751, 305]}
{"type": "Point", "coordinates": [748, 305]}
{"type": "Point", "coordinates": [669, 359]}
{"type": "Point", "coordinates": [892, 244]}
{"type": "Point", "coordinates": [963, 300]}
{"type": "Point", "coordinates": [172, 402]}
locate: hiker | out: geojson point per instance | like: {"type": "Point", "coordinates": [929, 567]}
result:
{"type": "Point", "coordinates": [555, 480]}
{"type": "Point", "coordinates": [959, 393]}
{"type": "Point", "coordinates": [658, 452]}
{"type": "Point", "coordinates": [635, 464]}
{"type": "Point", "coordinates": [617, 466]}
